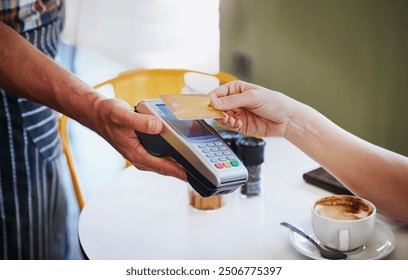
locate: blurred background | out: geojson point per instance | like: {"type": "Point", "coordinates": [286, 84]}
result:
{"type": "Point", "coordinates": [346, 58]}
{"type": "Point", "coordinates": [101, 40]}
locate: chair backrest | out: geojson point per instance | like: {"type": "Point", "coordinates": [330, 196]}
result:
{"type": "Point", "coordinates": [133, 86]}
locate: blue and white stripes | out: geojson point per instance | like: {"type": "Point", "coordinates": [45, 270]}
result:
{"type": "Point", "coordinates": [25, 15]}
{"type": "Point", "coordinates": [33, 206]}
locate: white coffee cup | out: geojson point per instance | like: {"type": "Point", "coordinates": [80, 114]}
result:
{"type": "Point", "coordinates": [343, 222]}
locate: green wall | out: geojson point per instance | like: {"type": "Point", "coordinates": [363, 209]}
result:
{"type": "Point", "coordinates": [346, 58]}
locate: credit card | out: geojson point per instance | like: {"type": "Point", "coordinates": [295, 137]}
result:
{"type": "Point", "coordinates": [191, 106]}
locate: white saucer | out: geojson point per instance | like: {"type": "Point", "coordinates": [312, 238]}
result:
{"type": "Point", "coordinates": [377, 247]}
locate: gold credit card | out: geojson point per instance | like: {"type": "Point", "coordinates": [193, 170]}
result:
{"type": "Point", "coordinates": [191, 106]}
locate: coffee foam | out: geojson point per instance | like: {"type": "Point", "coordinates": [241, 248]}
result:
{"type": "Point", "coordinates": [343, 208]}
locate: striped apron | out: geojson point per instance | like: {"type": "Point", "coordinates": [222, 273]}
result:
{"type": "Point", "coordinates": [33, 206]}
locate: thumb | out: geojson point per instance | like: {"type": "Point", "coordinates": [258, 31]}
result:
{"type": "Point", "coordinates": [140, 122]}
{"type": "Point", "coordinates": [230, 102]}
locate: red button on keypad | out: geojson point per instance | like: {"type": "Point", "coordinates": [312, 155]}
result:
{"type": "Point", "coordinates": [219, 165]}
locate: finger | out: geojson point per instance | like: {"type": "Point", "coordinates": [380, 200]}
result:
{"type": "Point", "coordinates": [227, 116]}
{"type": "Point", "coordinates": [231, 88]}
{"type": "Point", "coordinates": [238, 124]}
{"type": "Point", "coordinates": [224, 119]}
{"type": "Point", "coordinates": [231, 122]}
{"type": "Point", "coordinates": [164, 166]}
{"type": "Point", "coordinates": [169, 167]}
{"type": "Point", "coordinates": [221, 121]}
{"type": "Point", "coordinates": [161, 165]}
{"type": "Point", "coordinates": [135, 121]}
{"type": "Point", "coordinates": [231, 102]}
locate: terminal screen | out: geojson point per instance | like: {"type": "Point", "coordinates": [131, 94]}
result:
{"type": "Point", "coordinates": [187, 128]}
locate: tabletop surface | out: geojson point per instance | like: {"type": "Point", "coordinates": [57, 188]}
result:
{"type": "Point", "coordinates": [143, 215]}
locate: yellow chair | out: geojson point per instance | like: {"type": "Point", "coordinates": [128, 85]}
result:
{"type": "Point", "coordinates": [133, 86]}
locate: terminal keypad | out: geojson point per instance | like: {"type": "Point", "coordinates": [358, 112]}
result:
{"type": "Point", "coordinates": [218, 154]}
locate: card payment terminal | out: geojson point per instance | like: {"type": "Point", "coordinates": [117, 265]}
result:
{"type": "Point", "coordinates": [212, 167]}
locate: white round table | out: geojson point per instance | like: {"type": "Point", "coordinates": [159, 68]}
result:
{"type": "Point", "coordinates": [143, 215]}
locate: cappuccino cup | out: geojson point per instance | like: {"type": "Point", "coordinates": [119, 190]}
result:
{"type": "Point", "coordinates": [343, 222]}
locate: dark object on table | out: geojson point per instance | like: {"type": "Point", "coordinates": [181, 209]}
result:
{"type": "Point", "coordinates": [251, 152]}
{"type": "Point", "coordinates": [321, 178]}
{"type": "Point", "coordinates": [230, 137]}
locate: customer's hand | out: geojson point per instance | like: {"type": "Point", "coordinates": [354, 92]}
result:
{"type": "Point", "coordinates": [117, 124]}
{"type": "Point", "coordinates": [252, 109]}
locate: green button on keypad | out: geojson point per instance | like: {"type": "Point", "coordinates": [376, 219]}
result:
{"type": "Point", "coordinates": [234, 163]}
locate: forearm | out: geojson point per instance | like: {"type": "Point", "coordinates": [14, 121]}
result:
{"type": "Point", "coordinates": [27, 72]}
{"type": "Point", "coordinates": [367, 170]}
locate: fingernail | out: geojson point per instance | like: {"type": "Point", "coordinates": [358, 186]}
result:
{"type": "Point", "coordinates": [153, 125]}
{"type": "Point", "coordinates": [216, 102]}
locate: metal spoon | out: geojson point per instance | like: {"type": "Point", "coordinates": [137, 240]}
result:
{"type": "Point", "coordinates": [332, 255]}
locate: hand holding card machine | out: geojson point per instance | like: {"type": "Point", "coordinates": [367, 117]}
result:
{"type": "Point", "coordinates": [212, 167]}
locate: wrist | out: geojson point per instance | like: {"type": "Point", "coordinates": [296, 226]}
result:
{"type": "Point", "coordinates": [86, 111]}
{"type": "Point", "coordinates": [298, 122]}
{"type": "Point", "coordinates": [94, 118]}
